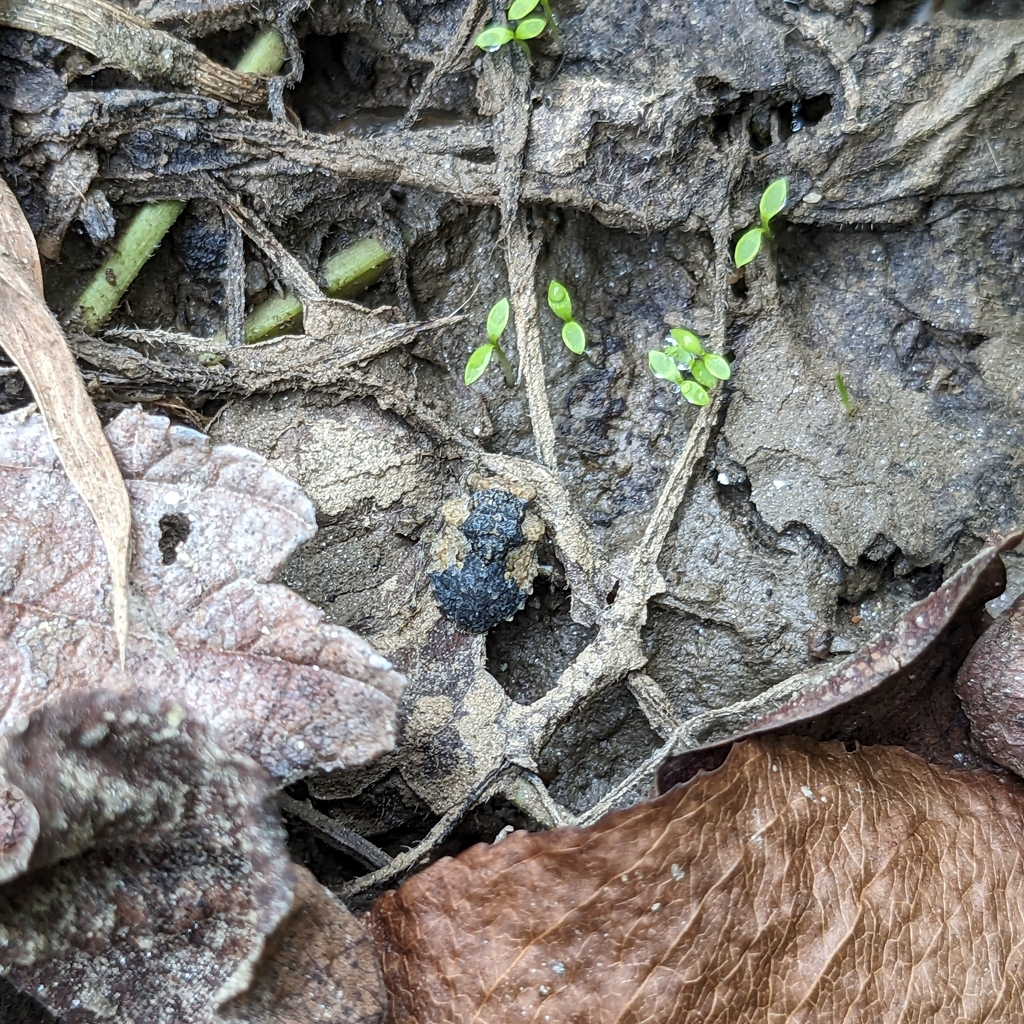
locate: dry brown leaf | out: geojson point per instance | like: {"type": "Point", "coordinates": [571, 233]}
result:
{"type": "Point", "coordinates": [798, 883]}
{"type": "Point", "coordinates": [991, 686]}
{"type": "Point", "coordinates": [320, 967]}
{"type": "Point", "coordinates": [33, 339]}
{"type": "Point", "coordinates": [212, 525]}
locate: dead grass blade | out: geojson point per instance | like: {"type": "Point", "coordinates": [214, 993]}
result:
{"type": "Point", "coordinates": [33, 339]}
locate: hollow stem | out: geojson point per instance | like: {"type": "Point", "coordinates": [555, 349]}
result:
{"type": "Point", "coordinates": [345, 275]}
{"type": "Point", "coordinates": [145, 231]}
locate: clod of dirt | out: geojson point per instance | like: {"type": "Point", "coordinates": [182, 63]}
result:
{"type": "Point", "coordinates": [488, 561]}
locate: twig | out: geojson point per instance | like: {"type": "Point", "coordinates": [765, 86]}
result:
{"type": "Point", "coordinates": [521, 251]}
{"type": "Point", "coordinates": [122, 39]}
{"type": "Point", "coordinates": [333, 832]}
{"type": "Point", "coordinates": [408, 859]}
{"type": "Point", "coordinates": [448, 59]}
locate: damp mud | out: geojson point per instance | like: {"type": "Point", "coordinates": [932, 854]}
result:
{"type": "Point", "coordinates": [623, 160]}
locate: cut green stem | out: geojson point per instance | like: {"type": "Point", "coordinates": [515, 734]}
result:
{"type": "Point", "coordinates": [145, 231]}
{"type": "Point", "coordinates": [264, 55]}
{"type": "Point", "coordinates": [345, 275]}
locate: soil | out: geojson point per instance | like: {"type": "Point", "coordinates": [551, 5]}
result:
{"type": "Point", "coordinates": [624, 161]}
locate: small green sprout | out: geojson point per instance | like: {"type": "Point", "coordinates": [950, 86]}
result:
{"type": "Point", "coordinates": [844, 394]}
{"type": "Point", "coordinates": [528, 25]}
{"type": "Point", "coordinates": [684, 353]}
{"type": "Point", "coordinates": [573, 335]}
{"type": "Point", "coordinates": [773, 199]}
{"type": "Point", "coordinates": [497, 321]}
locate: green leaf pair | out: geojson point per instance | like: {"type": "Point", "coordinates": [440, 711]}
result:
{"type": "Point", "coordinates": [773, 199]}
{"type": "Point", "coordinates": [683, 352]}
{"type": "Point", "coordinates": [497, 321]}
{"type": "Point", "coordinates": [573, 335]}
{"type": "Point", "coordinates": [530, 25]}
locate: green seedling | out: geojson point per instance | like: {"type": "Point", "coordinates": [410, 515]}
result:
{"type": "Point", "coordinates": [573, 335]}
{"type": "Point", "coordinates": [497, 321]}
{"type": "Point", "coordinates": [684, 353]}
{"type": "Point", "coordinates": [844, 394]}
{"type": "Point", "coordinates": [773, 199]}
{"type": "Point", "coordinates": [526, 24]}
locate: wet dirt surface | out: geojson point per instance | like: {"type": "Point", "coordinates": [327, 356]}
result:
{"type": "Point", "coordinates": [808, 527]}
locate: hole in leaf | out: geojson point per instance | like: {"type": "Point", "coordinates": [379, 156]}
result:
{"type": "Point", "coordinates": [174, 531]}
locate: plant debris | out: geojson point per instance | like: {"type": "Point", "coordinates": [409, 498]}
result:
{"type": "Point", "coordinates": [159, 868]}
{"type": "Point", "coordinates": [33, 339]}
{"type": "Point", "coordinates": [143, 856]}
{"type": "Point", "coordinates": [798, 881]}
{"type": "Point", "coordinates": [281, 685]}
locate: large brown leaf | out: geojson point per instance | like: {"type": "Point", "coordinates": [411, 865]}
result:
{"type": "Point", "coordinates": [797, 883]}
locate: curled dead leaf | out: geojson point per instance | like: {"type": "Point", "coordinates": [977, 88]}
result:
{"type": "Point", "coordinates": [146, 870]}
{"type": "Point", "coordinates": [991, 685]}
{"type": "Point", "coordinates": [798, 882]}
{"type": "Point", "coordinates": [159, 868]}
{"type": "Point", "coordinates": [896, 689]}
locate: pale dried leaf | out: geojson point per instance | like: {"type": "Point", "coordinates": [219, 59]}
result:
{"type": "Point", "coordinates": [33, 339]}
{"type": "Point", "coordinates": [799, 883]}
{"type": "Point", "coordinates": [159, 869]}
{"type": "Point", "coordinates": [211, 526]}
